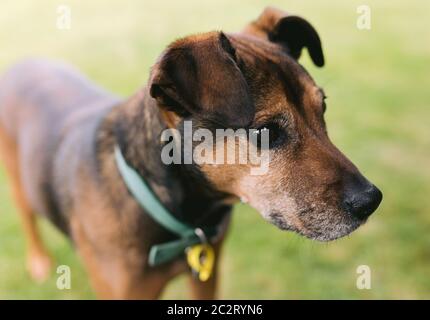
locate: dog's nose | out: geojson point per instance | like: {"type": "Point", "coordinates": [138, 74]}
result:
{"type": "Point", "coordinates": [362, 204]}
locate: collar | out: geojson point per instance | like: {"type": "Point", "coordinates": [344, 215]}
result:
{"type": "Point", "coordinates": [188, 235]}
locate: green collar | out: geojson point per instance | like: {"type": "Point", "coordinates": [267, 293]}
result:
{"type": "Point", "coordinates": [188, 235]}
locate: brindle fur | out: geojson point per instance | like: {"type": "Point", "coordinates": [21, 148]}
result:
{"type": "Point", "coordinates": [58, 132]}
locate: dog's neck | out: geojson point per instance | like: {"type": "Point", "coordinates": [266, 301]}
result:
{"type": "Point", "coordinates": [137, 126]}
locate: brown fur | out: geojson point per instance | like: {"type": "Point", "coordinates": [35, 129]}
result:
{"type": "Point", "coordinates": [58, 133]}
{"type": "Point", "coordinates": [38, 259]}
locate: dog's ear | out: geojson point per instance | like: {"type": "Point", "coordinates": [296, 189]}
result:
{"type": "Point", "coordinates": [198, 76]}
{"type": "Point", "coordinates": [293, 32]}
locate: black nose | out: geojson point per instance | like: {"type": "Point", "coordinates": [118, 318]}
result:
{"type": "Point", "coordinates": [362, 203]}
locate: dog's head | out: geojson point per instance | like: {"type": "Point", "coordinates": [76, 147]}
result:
{"type": "Point", "coordinates": [252, 79]}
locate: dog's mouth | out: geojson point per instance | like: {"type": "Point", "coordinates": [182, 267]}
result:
{"type": "Point", "coordinates": [324, 228]}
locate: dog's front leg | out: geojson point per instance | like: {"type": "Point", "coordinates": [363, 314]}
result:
{"type": "Point", "coordinates": [113, 274]}
{"type": "Point", "coordinates": [203, 290]}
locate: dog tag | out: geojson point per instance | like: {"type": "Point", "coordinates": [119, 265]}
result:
{"type": "Point", "coordinates": [201, 259]}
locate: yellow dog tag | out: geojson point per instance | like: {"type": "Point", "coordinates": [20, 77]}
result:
{"type": "Point", "coordinates": [201, 259]}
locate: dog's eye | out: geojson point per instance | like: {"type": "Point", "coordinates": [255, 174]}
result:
{"type": "Point", "coordinates": [267, 136]}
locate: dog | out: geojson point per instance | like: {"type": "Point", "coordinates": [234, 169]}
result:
{"type": "Point", "coordinates": [61, 136]}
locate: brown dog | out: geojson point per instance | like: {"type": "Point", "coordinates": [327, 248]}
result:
{"type": "Point", "coordinates": [58, 133]}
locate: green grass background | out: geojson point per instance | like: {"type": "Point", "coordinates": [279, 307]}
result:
{"type": "Point", "coordinates": [378, 83]}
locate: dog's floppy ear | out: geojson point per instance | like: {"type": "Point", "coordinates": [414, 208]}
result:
{"type": "Point", "coordinates": [199, 76]}
{"type": "Point", "coordinates": [291, 31]}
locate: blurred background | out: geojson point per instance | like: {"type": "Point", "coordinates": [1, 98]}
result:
{"type": "Point", "coordinates": [378, 84]}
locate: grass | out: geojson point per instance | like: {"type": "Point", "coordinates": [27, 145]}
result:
{"type": "Point", "coordinates": [378, 114]}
